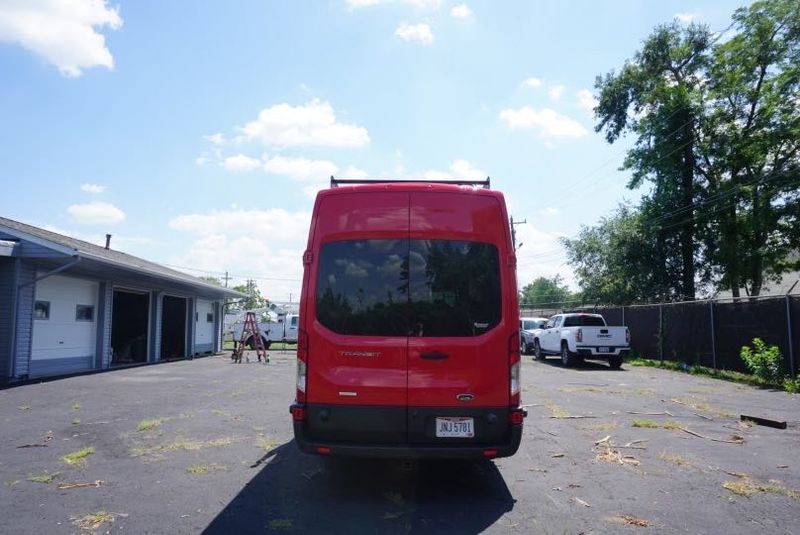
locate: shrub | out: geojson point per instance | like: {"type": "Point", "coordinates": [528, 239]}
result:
{"type": "Point", "coordinates": [792, 385]}
{"type": "Point", "coordinates": [763, 361]}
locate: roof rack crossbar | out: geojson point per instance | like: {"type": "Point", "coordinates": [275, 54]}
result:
{"type": "Point", "coordinates": [336, 182]}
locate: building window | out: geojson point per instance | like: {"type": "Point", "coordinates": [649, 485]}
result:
{"type": "Point", "coordinates": [210, 317]}
{"type": "Point", "coordinates": [84, 313]}
{"type": "Point", "coordinates": [41, 310]}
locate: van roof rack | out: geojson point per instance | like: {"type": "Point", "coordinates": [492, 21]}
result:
{"type": "Point", "coordinates": [336, 182]}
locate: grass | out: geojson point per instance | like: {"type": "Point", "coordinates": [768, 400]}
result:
{"type": "Point", "coordinates": [43, 478]}
{"type": "Point", "coordinates": [602, 428]}
{"type": "Point", "coordinates": [556, 411]}
{"type": "Point", "coordinates": [24, 408]}
{"type": "Point", "coordinates": [76, 406]}
{"type": "Point", "coordinates": [92, 521]}
{"type": "Point", "coordinates": [280, 524]}
{"type": "Point", "coordinates": [76, 421]}
{"type": "Point", "coordinates": [747, 486]}
{"type": "Point", "coordinates": [725, 375]}
{"type": "Point", "coordinates": [182, 445]}
{"type": "Point", "coordinates": [264, 444]}
{"type": "Point", "coordinates": [652, 424]}
{"type": "Point", "coordinates": [77, 458]}
{"type": "Point", "coordinates": [674, 458]}
{"type": "Point", "coordinates": [699, 405]}
{"type": "Point", "coordinates": [148, 424]}
{"type": "Point", "coordinates": [205, 468]}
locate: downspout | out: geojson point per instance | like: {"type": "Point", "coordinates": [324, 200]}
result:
{"type": "Point", "coordinates": [75, 260]}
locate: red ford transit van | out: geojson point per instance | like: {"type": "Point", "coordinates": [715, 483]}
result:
{"type": "Point", "coordinates": [408, 343]}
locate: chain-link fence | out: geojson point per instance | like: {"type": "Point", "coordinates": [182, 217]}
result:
{"type": "Point", "coordinates": [709, 333]}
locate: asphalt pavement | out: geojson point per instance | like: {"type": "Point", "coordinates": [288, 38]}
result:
{"type": "Point", "coordinates": [205, 446]}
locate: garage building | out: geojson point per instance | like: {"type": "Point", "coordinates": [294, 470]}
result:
{"type": "Point", "coordinates": [69, 306]}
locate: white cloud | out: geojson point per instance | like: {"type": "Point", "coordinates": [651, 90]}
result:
{"type": "Point", "coordinates": [282, 225]}
{"type": "Point", "coordinates": [687, 18]}
{"type": "Point", "coordinates": [547, 123]}
{"type": "Point", "coordinates": [555, 92]}
{"type": "Point", "coordinates": [420, 4]}
{"type": "Point", "coordinates": [313, 124]}
{"type": "Point", "coordinates": [241, 163]}
{"type": "Point", "coordinates": [532, 83]}
{"type": "Point", "coordinates": [93, 188]}
{"type": "Point", "coordinates": [63, 32]}
{"type": "Point", "coordinates": [541, 255]}
{"type": "Point", "coordinates": [200, 161]}
{"type": "Point", "coordinates": [461, 11]}
{"type": "Point", "coordinates": [96, 213]}
{"type": "Point", "coordinates": [354, 173]}
{"type": "Point", "coordinates": [459, 170]}
{"type": "Point", "coordinates": [586, 100]}
{"type": "Point", "coordinates": [216, 139]}
{"type": "Point", "coordinates": [420, 33]}
{"type": "Point", "coordinates": [314, 172]}
{"type": "Point", "coordinates": [551, 211]}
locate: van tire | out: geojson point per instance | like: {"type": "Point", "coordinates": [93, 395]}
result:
{"type": "Point", "coordinates": [537, 351]}
{"type": "Point", "coordinates": [568, 358]}
{"type": "Point", "coordinates": [615, 362]}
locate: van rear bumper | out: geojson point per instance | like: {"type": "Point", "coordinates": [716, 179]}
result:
{"type": "Point", "coordinates": [340, 446]}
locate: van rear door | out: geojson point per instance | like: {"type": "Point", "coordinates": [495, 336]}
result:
{"type": "Point", "coordinates": [458, 364]}
{"type": "Point", "coordinates": [357, 319]}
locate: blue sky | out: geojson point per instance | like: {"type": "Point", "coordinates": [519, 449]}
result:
{"type": "Point", "coordinates": [197, 133]}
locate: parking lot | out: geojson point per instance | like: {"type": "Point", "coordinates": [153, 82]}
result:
{"type": "Point", "coordinates": [206, 446]}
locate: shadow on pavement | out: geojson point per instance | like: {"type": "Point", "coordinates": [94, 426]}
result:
{"type": "Point", "coordinates": [292, 491]}
{"type": "Point", "coordinates": [582, 365]}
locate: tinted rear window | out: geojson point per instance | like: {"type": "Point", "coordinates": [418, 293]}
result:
{"type": "Point", "coordinates": [584, 321]}
{"type": "Point", "coordinates": [402, 287]}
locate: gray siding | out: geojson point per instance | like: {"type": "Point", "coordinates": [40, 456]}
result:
{"type": "Point", "coordinates": [217, 327]}
{"type": "Point", "coordinates": [104, 312]}
{"type": "Point", "coordinates": [8, 284]}
{"type": "Point", "coordinates": [24, 335]}
{"type": "Point", "coordinates": [156, 307]}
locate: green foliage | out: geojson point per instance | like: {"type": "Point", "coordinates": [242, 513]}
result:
{"type": "Point", "coordinates": [763, 361]}
{"type": "Point", "coordinates": [211, 280]}
{"type": "Point", "coordinates": [613, 261]}
{"type": "Point", "coordinates": [545, 291]}
{"type": "Point", "coordinates": [253, 300]}
{"type": "Point", "coordinates": [716, 130]}
{"type": "Point", "coordinates": [792, 385]}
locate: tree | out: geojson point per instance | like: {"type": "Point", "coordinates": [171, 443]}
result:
{"type": "Point", "coordinates": [253, 300]}
{"type": "Point", "coordinates": [717, 128]}
{"type": "Point", "coordinates": [752, 139]}
{"type": "Point", "coordinates": [543, 291]}
{"type": "Point", "coordinates": [658, 97]}
{"type": "Point", "coordinates": [211, 280]}
{"type": "Point", "coordinates": [617, 261]}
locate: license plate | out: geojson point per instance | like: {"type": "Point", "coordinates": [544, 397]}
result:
{"type": "Point", "coordinates": [604, 349]}
{"type": "Point", "coordinates": [447, 427]}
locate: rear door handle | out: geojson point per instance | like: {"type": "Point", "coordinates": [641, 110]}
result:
{"type": "Point", "coordinates": [435, 355]}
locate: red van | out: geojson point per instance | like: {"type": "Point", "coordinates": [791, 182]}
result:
{"type": "Point", "coordinates": [408, 343]}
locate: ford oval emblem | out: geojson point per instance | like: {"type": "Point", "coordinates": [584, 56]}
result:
{"type": "Point", "coordinates": [465, 397]}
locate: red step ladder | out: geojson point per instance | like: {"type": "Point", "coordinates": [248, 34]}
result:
{"type": "Point", "coordinates": [251, 331]}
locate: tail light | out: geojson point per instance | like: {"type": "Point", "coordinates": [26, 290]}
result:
{"type": "Point", "coordinates": [579, 335]}
{"type": "Point", "coordinates": [514, 364]}
{"type": "Point", "coordinates": [627, 336]}
{"type": "Point", "coordinates": [302, 366]}
{"type": "Point", "coordinates": [516, 417]}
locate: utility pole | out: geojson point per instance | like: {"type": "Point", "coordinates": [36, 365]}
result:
{"type": "Point", "coordinates": [514, 231]}
{"type": "Point", "coordinates": [226, 278]}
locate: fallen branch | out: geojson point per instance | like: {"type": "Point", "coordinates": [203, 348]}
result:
{"type": "Point", "coordinates": [735, 439]}
{"type": "Point", "coordinates": [703, 416]}
{"type": "Point", "coordinates": [583, 503]}
{"type": "Point", "coordinates": [572, 417]}
{"type": "Point", "coordinates": [665, 413]}
{"type": "Point", "coordinates": [95, 484]}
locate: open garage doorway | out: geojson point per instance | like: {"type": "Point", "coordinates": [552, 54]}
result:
{"type": "Point", "coordinates": [173, 328]}
{"type": "Point", "coordinates": [129, 319]}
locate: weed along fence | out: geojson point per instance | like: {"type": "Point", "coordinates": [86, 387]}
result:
{"type": "Point", "coordinates": [708, 333]}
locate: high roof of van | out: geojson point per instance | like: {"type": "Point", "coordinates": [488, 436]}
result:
{"type": "Point", "coordinates": [439, 187]}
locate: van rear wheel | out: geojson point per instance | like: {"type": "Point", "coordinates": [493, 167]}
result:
{"type": "Point", "coordinates": [567, 357]}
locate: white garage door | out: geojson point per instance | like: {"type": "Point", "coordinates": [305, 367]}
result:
{"type": "Point", "coordinates": [204, 327]}
{"type": "Point", "coordinates": [64, 325]}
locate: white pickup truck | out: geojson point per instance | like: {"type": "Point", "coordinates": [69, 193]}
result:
{"type": "Point", "coordinates": [582, 336]}
{"type": "Point", "coordinates": [284, 329]}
